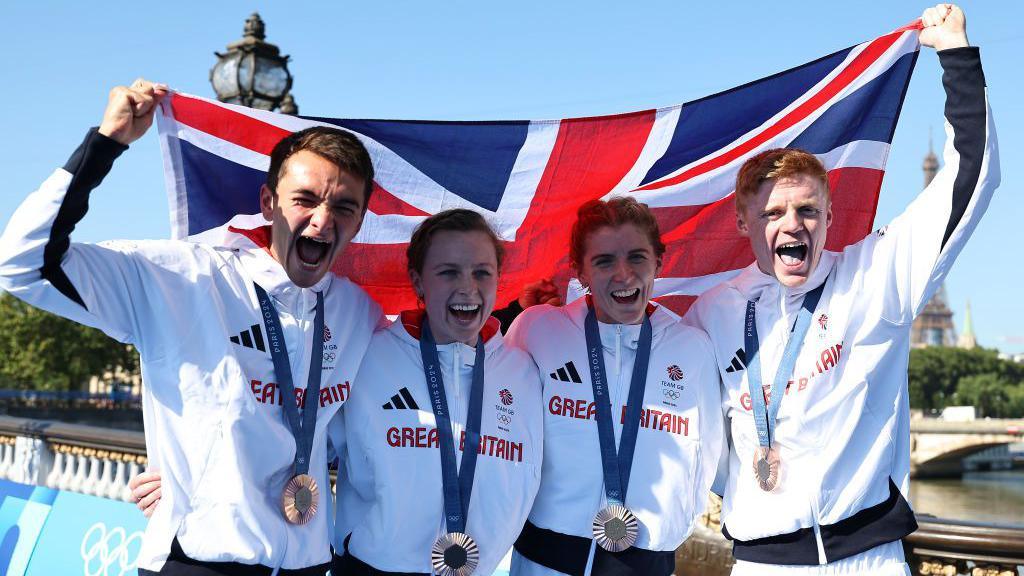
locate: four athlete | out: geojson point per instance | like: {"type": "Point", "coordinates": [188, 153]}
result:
{"type": "Point", "coordinates": [452, 444]}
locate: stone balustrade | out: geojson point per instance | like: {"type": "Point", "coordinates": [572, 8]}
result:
{"type": "Point", "coordinates": [70, 457]}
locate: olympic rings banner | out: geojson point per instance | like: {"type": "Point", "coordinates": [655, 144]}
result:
{"type": "Point", "coordinates": [45, 532]}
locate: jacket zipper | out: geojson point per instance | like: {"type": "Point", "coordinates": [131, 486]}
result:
{"type": "Point", "coordinates": [618, 374]}
{"type": "Point", "coordinates": [785, 317]}
{"type": "Point", "coordinates": [618, 355]}
{"type": "Point", "coordinates": [457, 412]}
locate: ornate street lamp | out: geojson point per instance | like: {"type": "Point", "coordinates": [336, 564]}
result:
{"type": "Point", "coordinates": [253, 72]}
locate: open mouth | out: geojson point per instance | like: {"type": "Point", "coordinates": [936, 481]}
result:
{"type": "Point", "coordinates": [311, 251]}
{"type": "Point", "coordinates": [792, 253]}
{"type": "Point", "coordinates": [464, 314]}
{"type": "Point", "coordinates": [626, 296]}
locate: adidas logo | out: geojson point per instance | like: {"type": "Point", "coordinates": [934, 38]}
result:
{"type": "Point", "coordinates": [251, 338]}
{"type": "Point", "coordinates": [402, 401]}
{"type": "Point", "coordinates": [739, 361]}
{"type": "Point", "coordinates": [567, 373]}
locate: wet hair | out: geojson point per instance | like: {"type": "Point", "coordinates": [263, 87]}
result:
{"type": "Point", "coordinates": [612, 213]}
{"type": "Point", "coordinates": [776, 164]}
{"type": "Point", "coordinates": [339, 147]}
{"type": "Point", "coordinates": [456, 220]}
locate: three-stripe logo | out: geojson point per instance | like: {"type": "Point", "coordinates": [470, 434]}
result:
{"type": "Point", "coordinates": [402, 401]}
{"type": "Point", "coordinates": [567, 373]}
{"type": "Point", "coordinates": [739, 361]}
{"type": "Point", "coordinates": [251, 338]}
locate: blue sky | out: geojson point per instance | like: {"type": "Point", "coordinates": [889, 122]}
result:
{"type": "Point", "coordinates": [466, 60]}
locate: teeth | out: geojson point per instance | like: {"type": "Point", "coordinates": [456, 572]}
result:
{"type": "Point", "coordinates": [465, 307]}
{"type": "Point", "coordinates": [792, 245]}
{"type": "Point", "coordinates": [317, 240]}
{"type": "Point", "coordinates": [625, 293]}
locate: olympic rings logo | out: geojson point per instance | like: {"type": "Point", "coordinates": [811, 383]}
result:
{"type": "Point", "coordinates": [673, 394]}
{"type": "Point", "coordinates": [329, 356]}
{"type": "Point", "coordinates": [109, 553]}
{"type": "Point", "coordinates": [505, 419]}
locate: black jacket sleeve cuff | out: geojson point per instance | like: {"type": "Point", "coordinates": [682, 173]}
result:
{"type": "Point", "coordinates": [962, 66]}
{"type": "Point", "coordinates": [94, 157]}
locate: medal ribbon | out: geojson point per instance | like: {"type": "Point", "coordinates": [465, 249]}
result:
{"type": "Point", "coordinates": [457, 487]}
{"type": "Point", "coordinates": [764, 412]}
{"type": "Point", "coordinates": [617, 465]}
{"type": "Point", "coordinates": [304, 428]}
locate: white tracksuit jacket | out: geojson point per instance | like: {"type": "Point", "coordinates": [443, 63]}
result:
{"type": "Point", "coordinates": [215, 426]}
{"type": "Point", "coordinates": [390, 495]}
{"type": "Point", "coordinates": [679, 441]}
{"type": "Point", "coordinates": [843, 427]}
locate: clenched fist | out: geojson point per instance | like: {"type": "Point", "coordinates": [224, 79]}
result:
{"type": "Point", "coordinates": [130, 110]}
{"type": "Point", "coordinates": [945, 26]}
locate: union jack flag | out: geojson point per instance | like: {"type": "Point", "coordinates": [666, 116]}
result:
{"type": "Point", "coordinates": [528, 177]}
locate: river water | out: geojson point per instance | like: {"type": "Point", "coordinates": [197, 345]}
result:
{"type": "Point", "coordinates": [996, 497]}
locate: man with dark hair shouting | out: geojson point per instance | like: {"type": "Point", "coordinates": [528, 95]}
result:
{"type": "Point", "coordinates": [813, 345]}
{"type": "Point", "coordinates": [230, 337]}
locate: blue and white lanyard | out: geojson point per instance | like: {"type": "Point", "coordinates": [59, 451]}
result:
{"type": "Point", "coordinates": [304, 428]}
{"type": "Point", "coordinates": [617, 465]}
{"type": "Point", "coordinates": [765, 413]}
{"type": "Point", "coordinates": [457, 486]}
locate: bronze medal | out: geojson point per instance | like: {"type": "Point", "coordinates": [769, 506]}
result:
{"type": "Point", "coordinates": [615, 528]}
{"type": "Point", "coordinates": [299, 500]}
{"type": "Point", "coordinates": [454, 554]}
{"type": "Point", "coordinates": [766, 468]}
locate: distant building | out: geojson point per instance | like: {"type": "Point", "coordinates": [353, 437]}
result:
{"type": "Point", "coordinates": [934, 325]}
{"type": "Point", "coordinates": [1018, 358]}
{"type": "Point", "coordinates": [967, 339]}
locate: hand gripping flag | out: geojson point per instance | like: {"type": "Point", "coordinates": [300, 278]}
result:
{"type": "Point", "coordinates": [529, 177]}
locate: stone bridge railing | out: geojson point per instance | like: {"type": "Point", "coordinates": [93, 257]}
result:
{"type": "Point", "coordinates": [938, 448]}
{"type": "Point", "coordinates": [983, 426]}
{"type": "Point", "coordinates": [100, 461]}
{"type": "Point", "coordinates": [72, 457]}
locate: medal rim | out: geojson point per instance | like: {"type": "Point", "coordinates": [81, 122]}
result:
{"type": "Point", "coordinates": [291, 511]}
{"type": "Point", "coordinates": [446, 541]}
{"type": "Point", "coordinates": [626, 516]}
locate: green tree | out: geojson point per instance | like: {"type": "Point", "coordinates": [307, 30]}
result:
{"type": "Point", "coordinates": [992, 395]}
{"type": "Point", "coordinates": [941, 377]}
{"type": "Point", "coordinates": [935, 372]}
{"type": "Point", "coordinates": [41, 351]}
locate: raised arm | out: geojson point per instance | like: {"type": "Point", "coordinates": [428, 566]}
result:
{"type": "Point", "coordinates": [39, 264]}
{"type": "Point", "coordinates": [910, 257]}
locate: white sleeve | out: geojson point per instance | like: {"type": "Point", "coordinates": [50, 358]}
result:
{"type": "Point", "coordinates": [355, 491]}
{"type": "Point", "coordinates": [713, 428]}
{"type": "Point", "coordinates": [906, 261]}
{"type": "Point", "coordinates": [111, 286]}
{"type": "Point", "coordinates": [518, 332]}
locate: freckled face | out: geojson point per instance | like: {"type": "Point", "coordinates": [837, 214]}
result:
{"type": "Point", "coordinates": [787, 223]}
{"type": "Point", "coordinates": [619, 266]}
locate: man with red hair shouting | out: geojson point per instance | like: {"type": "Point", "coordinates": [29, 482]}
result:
{"type": "Point", "coordinates": [814, 345]}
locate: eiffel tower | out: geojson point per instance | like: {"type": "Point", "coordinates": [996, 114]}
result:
{"type": "Point", "coordinates": [934, 325]}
